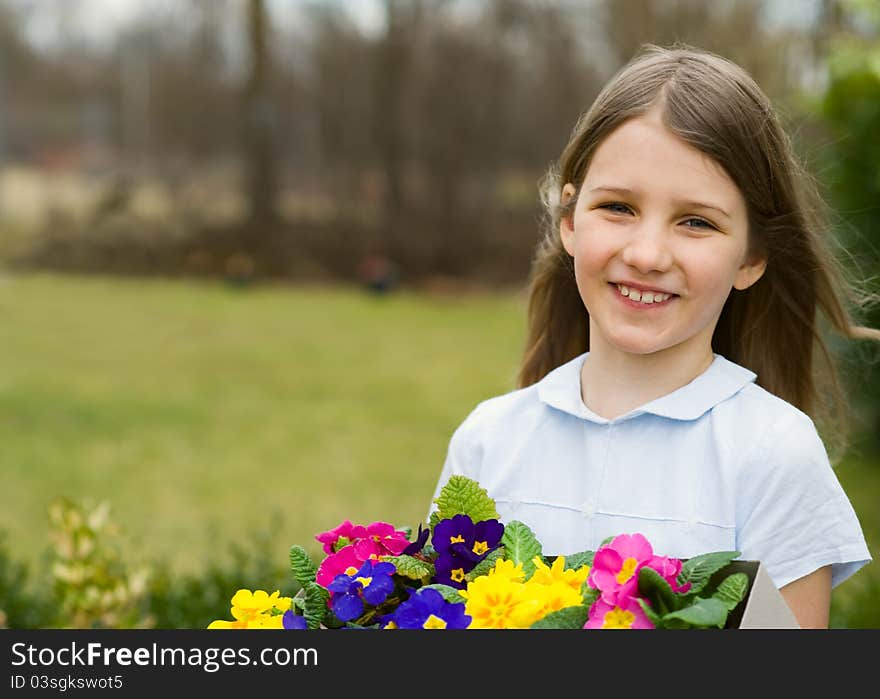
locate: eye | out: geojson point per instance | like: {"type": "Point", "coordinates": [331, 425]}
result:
{"type": "Point", "coordinates": [698, 223]}
{"type": "Point", "coordinates": [616, 207]}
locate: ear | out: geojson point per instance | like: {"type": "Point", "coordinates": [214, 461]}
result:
{"type": "Point", "coordinates": [566, 224]}
{"type": "Point", "coordinates": [750, 272]}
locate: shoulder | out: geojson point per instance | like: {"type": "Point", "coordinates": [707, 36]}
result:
{"type": "Point", "coordinates": [781, 450]}
{"type": "Point", "coordinates": [499, 411]}
{"type": "Point", "coordinates": [792, 511]}
{"type": "Point", "coordinates": [766, 420]}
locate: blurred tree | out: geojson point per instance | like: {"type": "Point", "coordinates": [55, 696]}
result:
{"type": "Point", "coordinates": [771, 56]}
{"type": "Point", "coordinates": [260, 123]}
{"type": "Point", "coordinates": [391, 86]}
{"type": "Point", "coordinates": [340, 97]}
{"type": "Point", "coordinates": [850, 106]}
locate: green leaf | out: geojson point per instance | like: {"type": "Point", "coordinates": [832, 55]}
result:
{"type": "Point", "coordinates": [589, 594]}
{"type": "Point", "coordinates": [698, 570]}
{"type": "Point", "coordinates": [302, 566]}
{"type": "Point", "coordinates": [566, 618]}
{"type": "Point", "coordinates": [607, 541]}
{"type": "Point", "coordinates": [487, 564]}
{"type": "Point", "coordinates": [450, 594]}
{"type": "Point", "coordinates": [578, 560]}
{"type": "Point", "coordinates": [653, 617]}
{"type": "Point", "coordinates": [653, 586]}
{"type": "Point", "coordinates": [316, 604]}
{"type": "Point", "coordinates": [521, 546]}
{"type": "Point", "coordinates": [352, 625]}
{"type": "Point", "coordinates": [411, 567]}
{"type": "Point", "coordinates": [732, 590]}
{"type": "Point", "coordinates": [462, 495]}
{"type": "Point", "coordinates": [703, 613]}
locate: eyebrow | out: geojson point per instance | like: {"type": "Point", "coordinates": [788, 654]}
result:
{"type": "Point", "coordinates": [688, 203]}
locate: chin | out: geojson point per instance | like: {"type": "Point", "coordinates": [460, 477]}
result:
{"type": "Point", "coordinates": [639, 345]}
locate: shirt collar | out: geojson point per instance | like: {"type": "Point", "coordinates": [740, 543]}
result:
{"type": "Point", "coordinates": [561, 389]}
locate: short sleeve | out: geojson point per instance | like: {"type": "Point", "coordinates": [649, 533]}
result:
{"type": "Point", "coordinates": [795, 516]}
{"type": "Point", "coordinates": [463, 456]}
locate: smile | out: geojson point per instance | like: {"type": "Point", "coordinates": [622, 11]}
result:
{"type": "Point", "coordinates": [644, 299]}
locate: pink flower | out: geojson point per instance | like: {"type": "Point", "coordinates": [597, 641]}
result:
{"type": "Point", "coordinates": [376, 539]}
{"type": "Point", "coordinates": [332, 537]}
{"type": "Point", "coordinates": [615, 571]}
{"type": "Point", "coordinates": [627, 615]}
{"type": "Point", "coordinates": [669, 568]}
{"type": "Point", "coordinates": [345, 560]}
{"type": "Point", "coordinates": [616, 565]}
{"type": "Point", "coordinates": [379, 538]}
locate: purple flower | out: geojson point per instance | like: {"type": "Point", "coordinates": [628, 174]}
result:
{"type": "Point", "coordinates": [426, 609]}
{"type": "Point", "coordinates": [450, 568]}
{"type": "Point", "coordinates": [416, 546]}
{"type": "Point", "coordinates": [371, 584]}
{"type": "Point", "coordinates": [293, 621]}
{"type": "Point", "coordinates": [479, 538]}
{"type": "Point", "coordinates": [460, 545]}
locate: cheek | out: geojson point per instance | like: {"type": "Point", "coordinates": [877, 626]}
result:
{"type": "Point", "coordinates": [593, 250]}
{"type": "Point", "coordinates": [711, 283]}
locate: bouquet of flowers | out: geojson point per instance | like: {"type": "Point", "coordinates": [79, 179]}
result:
{"type": "Point", "coordinates": [468, 570]}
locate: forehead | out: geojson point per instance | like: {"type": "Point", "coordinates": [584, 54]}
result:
{"type": "Point", "coordinates": [644, 155]}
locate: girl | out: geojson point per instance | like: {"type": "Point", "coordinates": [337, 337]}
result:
{"type": "Point", "coordinates": [667, 385]}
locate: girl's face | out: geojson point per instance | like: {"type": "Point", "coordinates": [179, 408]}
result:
{"type": "Point", "coordinates": [659, 236]}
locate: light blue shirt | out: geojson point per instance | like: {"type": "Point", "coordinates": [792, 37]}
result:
{"type": "Point", "coordinates": [720, 464]}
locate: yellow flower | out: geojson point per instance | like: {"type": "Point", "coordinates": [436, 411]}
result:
{"type": "Point", "coordinates": [223, 624]}
{"type": "Point", "coordinates": [494, 601]}
{"type": "Point", "coordinates": [255, 610]}
{"type": "Point", "coordinates": [509, 570]}
{"type": "Point", "coordinates": [558, 573]}
{"type": "Point", "coordinates": [553, 597]}
{"type": "Point", "coordinates": [247, 604]}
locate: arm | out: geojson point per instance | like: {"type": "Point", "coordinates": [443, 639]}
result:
{"type": "Point", "coordinates": [809, 598]}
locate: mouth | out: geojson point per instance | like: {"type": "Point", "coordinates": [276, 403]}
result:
{"type": "Point", "coordinates": [642, 299]}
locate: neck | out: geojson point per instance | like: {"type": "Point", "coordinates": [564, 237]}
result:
{"type": "Point", "coordinates": [614, 382]}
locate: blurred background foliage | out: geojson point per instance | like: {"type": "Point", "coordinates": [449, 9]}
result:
{"type": "Point", "coordinates": [194, 196]}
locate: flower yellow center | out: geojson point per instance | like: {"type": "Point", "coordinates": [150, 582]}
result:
{"type": "Point", "coordinates": [351, 570]}
{"type": "Point", "coordinates": [618, 618]}
{"type": "Point", "coordinates": [480, 547]}
{"type": "Point", "coordinates": [627, 570]}
{"type": "Point", "coordinates": [457, 539]}
{"type": "Point", "coordinates": [364, 581]}
{"type": "Point", "coordinates": [457, 574]}
{"type": "Point", "coordinates": [434, 622]}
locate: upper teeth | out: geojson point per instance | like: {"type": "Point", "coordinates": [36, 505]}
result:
{"type": "Point", "coordinates": [642, 296]}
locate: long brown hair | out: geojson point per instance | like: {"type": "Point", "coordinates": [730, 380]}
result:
{"type": "Point", "coordinates": [772, 327]}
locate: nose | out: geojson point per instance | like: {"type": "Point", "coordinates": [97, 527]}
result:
{"type": "Point", "coordinates": [647, 250]}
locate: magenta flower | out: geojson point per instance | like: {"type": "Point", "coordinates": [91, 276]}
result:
{"type": "Point", "coordinates": [627, 615]}
{"type": "Point", "coordinates": [344, 562]}
{"type": "Point", "coordinates": [615, 571]}
{"type": "Point", "coordinates": [336, 538]}
{"type": "Point", "coordinates": [615, 567]}
{"type": "Point", "coordinates": [379, 538]}
{"type": "Point", "coordinates": [669, 568]}
{"type": "Point", "coordinates": [376, 539]}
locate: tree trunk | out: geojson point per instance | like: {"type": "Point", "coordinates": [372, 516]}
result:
{"type": "Point", "coordinates": [259, 127]}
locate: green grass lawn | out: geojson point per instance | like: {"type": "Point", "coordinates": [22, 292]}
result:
{"type": "Point", "coordinates": [203, 413]}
